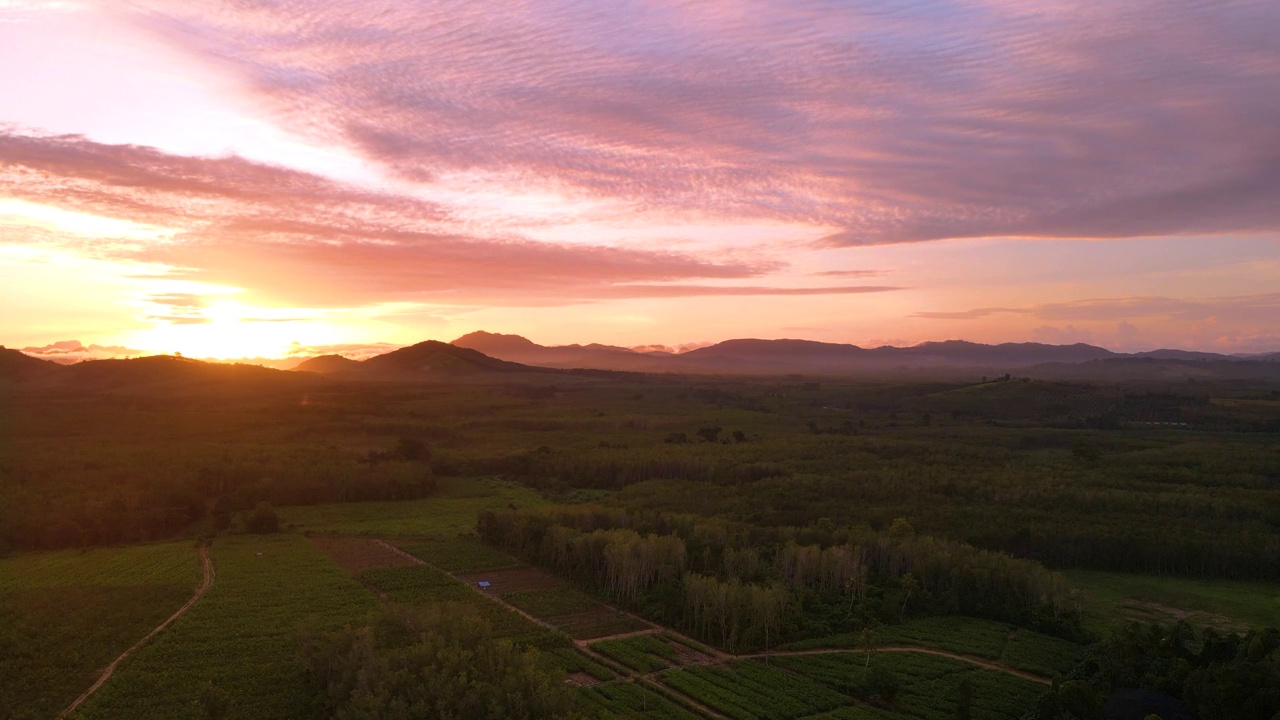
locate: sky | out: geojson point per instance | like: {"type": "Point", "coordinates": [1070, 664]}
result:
{"type": "Point", "coordinates": [266, 178]}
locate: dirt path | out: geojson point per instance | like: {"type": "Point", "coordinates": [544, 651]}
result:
{"type": "Point", "coordinates": [205, 583]}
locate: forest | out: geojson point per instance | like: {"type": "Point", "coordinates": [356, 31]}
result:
{"type": "Point", "coordinates": [757, 536]}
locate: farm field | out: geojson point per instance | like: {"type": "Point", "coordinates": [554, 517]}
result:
{"type": "Point", "coordinates": [443, 516]}
{"type": "Point", "coordinates": [751, 690]}
{"type": "Point", "coordinates": [64, 615]}
{"type": "Point", "coordinates": [632, 700]}
{"type": "Point", "coordinates": [930, 685]}
{"type": "Point", "coordinates": [1016, 647]}
{"type": "Point", "coordinates": [241, 636]}
{"type": "Point", "coordinates": [459, 555]}
{"type": "Point", "coordinates": [1114, 598]}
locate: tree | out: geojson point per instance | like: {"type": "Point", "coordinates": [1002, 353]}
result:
{"type": "Point", "coordinates": [867, 641]}
{"type": "Point", "coordinates": [263, 520]}
{"type": "Point", "coordinates": [709, 434]}
{"type": "Point", "coordinates": [909, 585]}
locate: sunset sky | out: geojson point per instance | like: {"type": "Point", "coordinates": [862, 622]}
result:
{"type": "Point", "coordinates": [258, 177]}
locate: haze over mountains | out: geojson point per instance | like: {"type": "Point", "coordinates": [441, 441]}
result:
{"type": "Point", "coordinates": [483, 354]}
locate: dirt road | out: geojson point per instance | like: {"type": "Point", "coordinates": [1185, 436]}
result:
{"type": "Point", "coordinates": [205, 583]}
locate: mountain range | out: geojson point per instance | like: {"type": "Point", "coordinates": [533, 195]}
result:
{"type": "Point", "coordinates": [483, 355]}
{"type": "Point", "coordinates": [773, 357]}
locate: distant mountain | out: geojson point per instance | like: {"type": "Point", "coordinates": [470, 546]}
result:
{"type": "Point", "coordinates": [522, 350]}
{"type": "Point", "coordinates": [327, 364]}
{"type": "Point", "coordinates": [750, 356]}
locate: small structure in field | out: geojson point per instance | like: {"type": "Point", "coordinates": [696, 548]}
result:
{"type": "Point", "coordinates": [483, 584]}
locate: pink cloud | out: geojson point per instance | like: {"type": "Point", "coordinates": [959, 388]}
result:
{"type": "Point", "coordinates": [906, 124]}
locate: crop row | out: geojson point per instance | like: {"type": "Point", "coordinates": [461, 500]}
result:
{"type": "Point", "coordinates": [754, 691]}
{"type": "Point", "coordinates": [573, 661]}
{"type": "Point", "coordinates": [643, 653]}
{"type": "Point", "coordinates": [630, 700]}
{"type": "Point", "coordinates": [173, 563]}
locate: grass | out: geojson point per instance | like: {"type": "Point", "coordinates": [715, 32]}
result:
{"type": "Point", "coordinates": [1116, 598]}
{"type": "Point", "coordinates": [65, 615]}
{"type": "Point", "coordinates": [444, 516]}
{"type": "Point", "coordinates": [242, 636]}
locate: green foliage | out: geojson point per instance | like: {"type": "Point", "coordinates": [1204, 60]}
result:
{"type": "Point", "coordinates": [263, 520]}
{"type": "Point", "coordinates": [752, 691]}
{"type": "Point", "coordinates": [64, 615]}
{"type": "Point", "coordinates": [436, 661]}
{"type": "Point", "coordinates": [631, 700]}
{"type": "Point", "coordinates": [642, 653]}
{"type": "Point", "coordinates": [241, 636]}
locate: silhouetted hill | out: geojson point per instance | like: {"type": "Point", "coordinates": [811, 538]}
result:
{"type": "Point", "coordinates": [433, 359]}
{"type": "Point", "coordinates": [19, 368]}
{"type": "Point", "coordinates": [522, 350]}
{"type": "Point", "coordinates": [162, 371]}
{"type": "Point", "coordinates": [327, 364]}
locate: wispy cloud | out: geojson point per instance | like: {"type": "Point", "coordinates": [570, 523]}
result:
{"type": "Point", "coordinates": [310, 240]}
{"type": "Point", "coordinates": [896, 122]}
{"type": "Point", "coordinates": [1249, 309]}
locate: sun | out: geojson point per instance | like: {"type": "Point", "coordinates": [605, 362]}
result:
{"type": "Point", "coordinates": [224, 329]}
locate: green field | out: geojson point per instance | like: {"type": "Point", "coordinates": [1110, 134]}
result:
{"type": "Point", "coordinates": [754, 691]}
{"type": "Point", "coordinates": [930, 685]}
{"type": "Point", "coordinates": [64, 615]}
{"type": "Point", "coordinates": [1114, 598]}
{"type": "Point", "coordinates": [643, 653]}
{"type": "Point", "coordinates": [553, 602]}
{"type": "Point", "coordinates": [421, 584]}
{"type": "Point", "coordinates": [1016, 647]}
{"type": "Point", "coordinates": [443, 517]}
{"type": "Point", "coordinates": [459, 555]}
{"type": "Point", "coordinates": [242, 636]}
{"type": "Point", "coordinates": [631, 700]}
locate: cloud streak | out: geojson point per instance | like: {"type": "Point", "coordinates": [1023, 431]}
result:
{"type": "Point", "coordinates": [896, 122]}
{"type": "Point", "coordinates": [309, 240]}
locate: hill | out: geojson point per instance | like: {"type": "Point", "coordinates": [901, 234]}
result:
{"type": "Point", "coordinates": [19, 368]}
{"type": "Point", "coordinates": [328, 364]}
{"type": "Point", "coordinates": [522, 350]}
{"type": "Point", "coordinates": [433, 359]}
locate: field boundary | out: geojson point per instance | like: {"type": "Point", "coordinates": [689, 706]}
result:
{"type": "Point", "coordinates": [205, 583]}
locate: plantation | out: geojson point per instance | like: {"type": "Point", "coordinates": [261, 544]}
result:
{"type": "Point", "coordinates": [460, 555]}
{"type": "Point", "coordinates": [642, 653]}
{"type": "Point", "coordinates": [551, 603]}
{"type": "Point", "coordinates": [64, 615]}
{"type": "Point", "coordinates": [1016, 647]}
{"type": "Point", "coordinates": [631, 700]}
{"type": "Point", "coordinates": [922, 686]}
{"type": "Point", "coordinates": [753, 691]}
{"type": "Point", "coordinates": [242, 636]}
{"type": "Point", "coordinates": [444, 516]}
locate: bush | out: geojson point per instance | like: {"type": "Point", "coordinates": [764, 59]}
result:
{"type": "Point", "coordinates": [262, 520]}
